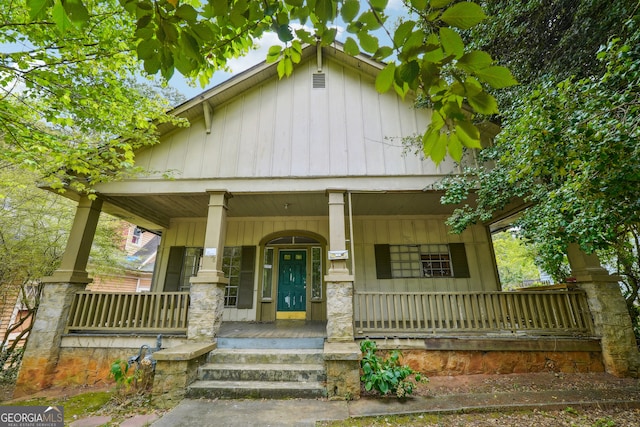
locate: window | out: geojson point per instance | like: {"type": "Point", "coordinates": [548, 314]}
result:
{"type": "Point", "coordinates": [136, 236]}
{"type": "Point", "coordinates": [237, 265]}
{"type": "Point", "coordinates": [267, 274]}
{"type": "Point", "coordinates": [316, 273]}
{"type": "Point", "coordinates": [231, 268]}
{"type": "Point", "coordinates": [421, 261]}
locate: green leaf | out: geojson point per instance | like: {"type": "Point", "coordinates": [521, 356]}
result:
{"type": "Point", "coordinates": [37, 8]}
{"type": "Point", "coordinates": [402, 32]}
{"type": "Point", "coordinates": [419, 4]}
{"type": "Point", "coordinates": [220, 7]}
{"type": "Point", "coordinates": [496, 76]}
{"type": "Point", "coordinates": [59, 15]}
{"type": "Point", "coordinates": [152, 65]}
{"type": "Point", "coordinates": [284, 33]}
{"type": "Point", "coordinates": [351, 47]}
{"type": "Point", "coordinates": [349, 10]}
{"type": "Point", "coordinates": [379, 5]}
{"type": "Point", "coordinates": [455, 147]}
{"type": "Point", "coordinates": [438, 4]}
{"type": "Point", "coordinates": [368, 42]}
{"type": "Point", "coordinates": [385, 78]}
{"type": "Point", "coordinates": [370, 20]}
{"type": "Point", "coordinates": [329, 36]}
{"type": "Point", "coordinates": [77, 12]}
{"type": "Point", "coordinates": [324, 10]}
{"type": "Point", "coordinates": [408, 72]}
{"type": "Point", "coordinates": [203, 31]}
{"type": "Point", "coordinates": [401, 89]}
{"type": "Point", "coordinates": [274, 53]}
{"type": "Point", "coordinates": [474, 61]}
{"type": "Point", "coordinates": [187, 12]}
{"type": "Point", "coordinates": [451, 42]}
{"type": "Point", "coordinates": [383, 52]}
{"type": "Point", "coordinates": [483, 103]}
{"type": "Point", "coordinates": [463, 15]}
{"type": "Point", "coordinates": [148, 48]}
{"type": "Point", "coordinates": [468, 134]}
{"type": "Point", "coordinates": [413, 45]}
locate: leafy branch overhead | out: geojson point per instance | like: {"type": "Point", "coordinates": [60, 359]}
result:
{"type": "Point", "coordinates": [425, 52]}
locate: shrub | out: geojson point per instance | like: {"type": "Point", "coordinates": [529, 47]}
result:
{"type": "Point", "coordinates": [386, 376]}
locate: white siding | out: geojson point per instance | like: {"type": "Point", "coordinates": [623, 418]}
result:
{"type": "Point", "coordinates": [286, 128]}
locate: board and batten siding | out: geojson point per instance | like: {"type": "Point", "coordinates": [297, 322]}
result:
{"type": "Point", "coordinates": [410, 230]}
{"type": "Point", "coordinates": [286, 128]}
{"type": "Point", "coordinates": [367, 232]}
{"type": "Point", "coordinates": [240, 232]}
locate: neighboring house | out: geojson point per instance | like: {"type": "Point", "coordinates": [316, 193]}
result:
{"type": "Point", "coordinates": [293, 199]}
{"type": "Point", "coordinates": [140, 247]}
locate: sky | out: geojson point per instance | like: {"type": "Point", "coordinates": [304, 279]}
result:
{"type": "Point", "coordinates": [395, 9]}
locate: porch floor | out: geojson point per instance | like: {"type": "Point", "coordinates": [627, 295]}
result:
{"type": "Point", "coordinates": [277, 329]}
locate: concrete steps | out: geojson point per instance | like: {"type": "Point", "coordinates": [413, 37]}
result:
{"type": "Point", "coordinates": [270, 373]}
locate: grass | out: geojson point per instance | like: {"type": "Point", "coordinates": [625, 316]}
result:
{"type": "Point", "coordinates": [98, 403]}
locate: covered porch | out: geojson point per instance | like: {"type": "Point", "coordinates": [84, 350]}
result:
{"type": "Point", "coordinates": [588, 319]}
{"type": "Point", "coordinates": [557, 313]}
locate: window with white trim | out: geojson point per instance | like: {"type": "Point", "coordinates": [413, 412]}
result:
{"type": "Point", "coordinates": [421, 261]}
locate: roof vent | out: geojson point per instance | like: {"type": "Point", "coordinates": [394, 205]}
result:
{"type": "Point", "coordinates": [318, 80]}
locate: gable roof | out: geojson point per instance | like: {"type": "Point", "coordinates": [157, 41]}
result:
{"type": "Point", "coordinates": [241, 82]}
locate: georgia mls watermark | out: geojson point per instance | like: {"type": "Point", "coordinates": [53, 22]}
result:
{"type": "Point", "coordinates": [31, 416]}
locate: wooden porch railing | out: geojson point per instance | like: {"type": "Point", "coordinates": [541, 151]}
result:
{"type": "Point", "coordinates": [129, 312]}
{"type": "Point", "coordinates": [563, 313]}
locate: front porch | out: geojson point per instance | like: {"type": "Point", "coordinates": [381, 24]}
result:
{"type": "Point", "coordinates": [558, 313]}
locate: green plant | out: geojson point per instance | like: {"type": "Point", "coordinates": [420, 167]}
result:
{"type": "Point", "coordinates": [120, 373]}
{"type": "Point", "coordinates": [386, 376]}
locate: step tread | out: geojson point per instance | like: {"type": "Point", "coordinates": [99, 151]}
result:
{"type": "Point", "coordinates": [257, 385]}
{"type": "Point", "coordinates": [263, 366]}
{"type": "Point", "coordinates": [269, 350]}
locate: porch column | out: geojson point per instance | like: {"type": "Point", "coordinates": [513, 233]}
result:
{"type": "Point", "coordinates": [207, 288]}
{"type": "Point", "coordinates": [609, 311]}
{"type": "Point", "coordinates": [341, 353]}
{"type": "Point", "coordinates": [339, 281]}
{"type": "Point", "coordinates": [43, 347]}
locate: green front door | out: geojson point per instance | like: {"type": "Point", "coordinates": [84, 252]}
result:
{"type": "Point", "coordinates": [292, 283]}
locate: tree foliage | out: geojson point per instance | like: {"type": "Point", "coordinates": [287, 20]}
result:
{"type": "Point", "coordinates": [70, 106]}
{"type": "Point", "coordinates": [34, 226]}
{"type": "Point", "coordinates": [571, 149]}
{"type": "Point", "coordinates": [515, 261]}
{"type": "Point", "coordinates": [425, 52]}
{"type": "Point", "coordinates": [550, 39]}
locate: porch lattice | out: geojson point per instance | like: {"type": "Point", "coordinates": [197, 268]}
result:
{"type": "Point", "coordinates": [559, 313]}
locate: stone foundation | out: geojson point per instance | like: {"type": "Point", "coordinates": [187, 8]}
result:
{"type": "Point", "coordinates": [342, 364]}
{"type": "Point", "coordinates": [176, 368]}
{"type": "Point", "coordinates": [83, 361]}
{"type": "Point", "coordinates": [461, 362]}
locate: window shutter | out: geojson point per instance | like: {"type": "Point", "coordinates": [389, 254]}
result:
{"type": "Point", "coordinates": [174, 269]}
{"type": "Point", "coordinates": [459, 260]}
{"type": "Point", "coordinates": [383, 262]}
{"type": "Point", "coordinates": [246, 278]}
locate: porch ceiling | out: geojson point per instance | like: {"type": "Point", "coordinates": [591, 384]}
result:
{"type": "Point", "coordinates": [154, 211]}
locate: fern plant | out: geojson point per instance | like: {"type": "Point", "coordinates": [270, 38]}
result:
{"type": "Point", "coordinates": [387, 376]}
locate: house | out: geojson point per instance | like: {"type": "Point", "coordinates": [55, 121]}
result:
{"type": "Point", "coordinates": [140, 248]}
{"type": "Point", "coordinates": [292, 201]}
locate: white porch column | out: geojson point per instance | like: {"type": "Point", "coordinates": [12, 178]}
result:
{"type": "Point", "coordinates": [339, 281]}
{"type": "Point", "coordinates": [609, 310]}
{"type": "Point", "coordinates": [43, 347]}
{"type": "Point", "coordinates": [207, 288]}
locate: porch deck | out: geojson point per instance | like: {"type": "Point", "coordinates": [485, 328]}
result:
{"type": "Point", "coordinates": [277, 329]}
